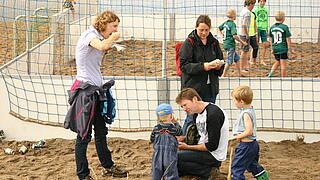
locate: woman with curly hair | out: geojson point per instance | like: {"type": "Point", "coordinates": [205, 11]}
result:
{"type": "Point", "coordinates": [91, 47]}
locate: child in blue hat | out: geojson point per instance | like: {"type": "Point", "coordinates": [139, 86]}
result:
{"type": "Point", "coordinates": [165, 144]}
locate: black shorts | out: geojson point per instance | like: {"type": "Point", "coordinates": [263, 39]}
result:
{"type": "Point", "coordinates": [281, 56]}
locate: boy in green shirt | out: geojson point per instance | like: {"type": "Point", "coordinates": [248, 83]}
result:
{"type": "Point", "coordinates": [262, 24]}
{"type": "Point", "coordinates": [280, 44]}
{"type": "Point", "coordinates": [229, 33]}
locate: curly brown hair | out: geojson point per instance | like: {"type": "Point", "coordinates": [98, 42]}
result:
{"type": "Point", "coordinates": [103, 19]}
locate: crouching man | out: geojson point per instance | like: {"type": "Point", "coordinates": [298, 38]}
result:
{"type": "Point", "coordinates": [204, 158]}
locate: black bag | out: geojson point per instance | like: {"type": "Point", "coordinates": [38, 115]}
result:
{"type": "Point", "coordinates": [192, 135]}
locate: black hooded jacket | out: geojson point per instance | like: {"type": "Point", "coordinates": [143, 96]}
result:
{"type": "Point", "coordinates": [192, 58]}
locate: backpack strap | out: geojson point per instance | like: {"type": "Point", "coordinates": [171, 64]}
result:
{"type": "Point", "coordinates": [191, 41]}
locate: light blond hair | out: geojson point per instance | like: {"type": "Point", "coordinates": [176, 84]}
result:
{"type": "Point", "coordinates": [231, 13]}
{"type": "Point", "coordinates": [279, 15]}
{"type": "Point", "coordinates": [103, 19]}
{"type": "Point", "coordinates": [243, 93]}
{"type": "Point", "coordinates": [165, 118]}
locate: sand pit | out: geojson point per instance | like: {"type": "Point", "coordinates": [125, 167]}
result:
{"type": "Point", "coordinates": [285, 160]}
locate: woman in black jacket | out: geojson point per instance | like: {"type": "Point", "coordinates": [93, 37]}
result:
{"type": "Point", "coordinates": [196, 56]}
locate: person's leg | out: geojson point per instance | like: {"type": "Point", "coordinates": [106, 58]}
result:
{"type": "Point", "coordinates": [100, 134]}
{"type": "Point", "coordinates": [230, 58]}
{"type": "Point", "coordinates": [157, 168]}
{"type": "Point", "coordinates": [104, 154]}
{"type": "Point", "coordinates": [209, 97]}
{"type": "Point", "coordinates": [262, 34]}
{"type": "Point", "coordinates": [244, 54]}
{"type": "Point", "coordinates": [265, 46]}
{"type": "Point", "coordinates": [240, 161]}
{"type": "Point", "coordinates": [254, 167]}
{"type": "Point", "coordinates": [283, 64]}
{"type": "Point", "coordinates": [236, 60]}
{"type": "Point", "coordinates": [171, 165]}
{"type": "Point", "coordinates": [196, 163]}
{"type": "Point", "coordinates": [275, 65]}
{"type": "Point", "coordinates": [283, 67]}
{"type": "Point", "coordinates": [255, 48]}
{"type": "Point", "coordinates": [81, 155]}
{"type": "Point", "coordinates": [225, 71]}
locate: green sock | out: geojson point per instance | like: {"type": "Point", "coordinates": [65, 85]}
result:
{"type": "Point", "coordinates": [270, 74]}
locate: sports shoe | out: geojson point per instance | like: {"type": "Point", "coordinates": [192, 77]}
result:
{"type": "Point", "coordinates": [264, 176]}
{"type": "Point", "coordinates": [88, 178]}
{"type": "Point", "coordinates": [214, 173]}
{"type": "Point", "coordinates": [114, 171]}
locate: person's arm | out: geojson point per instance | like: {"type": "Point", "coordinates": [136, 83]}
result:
{"type": "Point", "coordinates": [256, 30]}
{"type": "Point", "coordinates": [187, 63]}
{"type": "Point", "coordinates": [289, 45]}
{"type": "Point", "coordinates": [248, 126]}
{"type": "Point", "coordinates": [106, 44]}
{"type": "Point", "coordinates": [220, 33]}
{"type": "Point", "coordinates": [270, 39]}
{"type": "Point", "coordinates": [198, 147]}
{"type": "Point", "coordinates": [236, 37]}
{"type": "Point", "coordinates": [215, 121]}
{"type": "Point", "coordinates": [218, 70]}
{"type": "Point", "coordinates": [153, 134]}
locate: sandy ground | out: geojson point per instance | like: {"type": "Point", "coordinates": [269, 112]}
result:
{"type": "Point", "coordinates": [144, 58]}
{"type": "Point", "coordinates": [285, 160]}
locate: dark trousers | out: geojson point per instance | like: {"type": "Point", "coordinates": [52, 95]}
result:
{"type": "Point", "coordinates": [100, 133]}
{"type": "Point", "coordinates": [246, 158]}
{"type": "Point", "coordinates": [255, 47]}
{"type": "Point", "coordinates": [196, 163]}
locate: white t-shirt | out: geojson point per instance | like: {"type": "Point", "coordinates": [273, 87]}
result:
{"type": "Point", "coordinates": [88, 59]}
{"type": "Point", "coordinates": [245, 16]}
{"type": "Point", "coordinates": [212, 110]}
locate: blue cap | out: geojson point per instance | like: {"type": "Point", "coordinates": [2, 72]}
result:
{"type": "Point", "coordinates": [164, 109]}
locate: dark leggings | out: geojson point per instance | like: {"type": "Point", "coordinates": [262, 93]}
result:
{"type": "Point", "coordinates": [253, 43]}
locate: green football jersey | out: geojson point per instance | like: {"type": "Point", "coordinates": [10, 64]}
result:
{"type": "Point", "coordinates": [262, 17]}
{"type": "Point", "coordinates": [228, 29]}
{"type": "Point", "coordinates": [279, 33]}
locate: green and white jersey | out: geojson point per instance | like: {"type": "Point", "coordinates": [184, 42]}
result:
{"type": "Point", "coordinates": [262, 17]}
{"type": "Point", "coordinates": [228, 29]}
{"type": "Point", "coordinates": [279, 33]}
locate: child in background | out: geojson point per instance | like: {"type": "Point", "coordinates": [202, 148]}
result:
{"type": "Point", "coordinates": [245, 129]}
{"type": "Point", "coordinates": [228, 31]}
{"type": "Point", "coordinates": [280, 43]}
{"type": "Point", "coordinates": [70, 4]}
{"type": "Point", "coordinates": [165, 144]}
{"type": "Point", "coordinates": [248, 33]}
{"type": "Point", "coordinates": [262, 24]}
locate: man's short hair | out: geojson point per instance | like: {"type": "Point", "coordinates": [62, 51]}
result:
{"type": "Point", "coordinates": [103, 19]}
{"type": "Point", "coordinates": [187, 94]}
{"type": "Point", "coordinates": [249, 2]}
{"type": "Point", "coordinates": [243, 93]}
